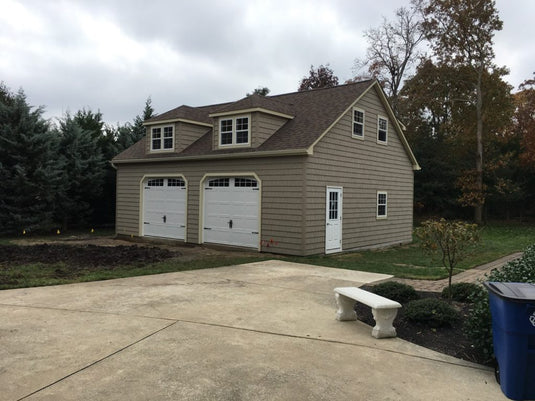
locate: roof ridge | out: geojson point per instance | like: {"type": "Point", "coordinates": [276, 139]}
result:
{"type": "Point", "coordinates": [323, 88]}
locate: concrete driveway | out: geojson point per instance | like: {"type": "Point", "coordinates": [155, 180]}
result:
{"type": "Point", "coordinates": [261, 331]}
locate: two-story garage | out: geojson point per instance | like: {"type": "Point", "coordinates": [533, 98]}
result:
{"type": "Point", "coordinates": [302, 173]}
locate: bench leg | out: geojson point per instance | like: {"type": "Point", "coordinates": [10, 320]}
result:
{"type": "Point", "coordinates": [346, 308]}
{"type": "Point", "coordinates": [383, 323]}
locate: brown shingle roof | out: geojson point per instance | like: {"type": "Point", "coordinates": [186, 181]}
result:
{"type": "Point", "coordinates": [313, 113]}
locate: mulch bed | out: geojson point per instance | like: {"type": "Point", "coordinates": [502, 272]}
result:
{"type": "Point", "coordinates": [447, 340]}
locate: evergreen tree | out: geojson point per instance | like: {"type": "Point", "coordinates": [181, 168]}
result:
{"type": "Point", "coordinates": [138, 129]}
{"type": "Point", "coordinates": [29, 167]}
{"type": "Point", "coordinates": [83, 172]}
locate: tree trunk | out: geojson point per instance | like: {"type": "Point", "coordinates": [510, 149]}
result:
{"type": "Point", "coordinates": [478, 209]}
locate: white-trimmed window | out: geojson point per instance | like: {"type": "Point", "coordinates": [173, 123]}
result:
{"type": "Point", "coordinates": [162, 138]}
{"type": "Point", "coordinates": [382, 130]}
{"type": "Point", "coordinates": [358, 123]}
{"type": "Point", "coordinates": [382, 204]}
{"type": "Point", "coordinates": [234, 131]}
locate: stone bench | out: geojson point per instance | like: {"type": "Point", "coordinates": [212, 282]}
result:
{"type": "Point", "coordinates": [384, 310]}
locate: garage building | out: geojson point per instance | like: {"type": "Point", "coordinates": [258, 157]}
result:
{"type": "Point", "coordinates": [303, 173]}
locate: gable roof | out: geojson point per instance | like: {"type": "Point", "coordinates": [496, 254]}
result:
{"type": "Point", "coordinates": [310, 115]}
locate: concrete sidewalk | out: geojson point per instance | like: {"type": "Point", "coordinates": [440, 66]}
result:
{"type": "Point", "coordinates": [261, 331]}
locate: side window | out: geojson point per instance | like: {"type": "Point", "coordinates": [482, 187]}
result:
{"type": "Point", "coordinates": [358, 123]}
{"type": "Point", "coordinates": [382, 130]}
{"type": "Point", "coordinates": [382, 206]}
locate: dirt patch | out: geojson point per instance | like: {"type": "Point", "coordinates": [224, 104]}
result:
{"type": "Point", "coordinates": [81, 256]}
{"type": "Point", "coordinates": [447, 340]}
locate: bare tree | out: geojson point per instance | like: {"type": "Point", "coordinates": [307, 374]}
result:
{"type": "Point", "coordinates": [393, 48]}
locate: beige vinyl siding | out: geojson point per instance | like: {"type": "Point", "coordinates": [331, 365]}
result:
{"type": "Point", "coordinates": [186, 134]}
{"type": "Point", "coordinates": [281, 202]}
{"type": "Point", "coordinates": [361, 167]}
{"type": "Point", "coordinates": [264, 125]}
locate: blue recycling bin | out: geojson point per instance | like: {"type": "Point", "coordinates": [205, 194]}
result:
{"type": "Point", "coordinates": [512, 306]}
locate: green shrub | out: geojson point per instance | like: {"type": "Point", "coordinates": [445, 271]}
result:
{"type": "Point", "coordinates": [460, 292]}
{"type": "Point", "coordinates": [431, 312]}
{"type": "Point", "coordinates": [478, 326]}
{"type": "Point", "coordinates": [395, 291]}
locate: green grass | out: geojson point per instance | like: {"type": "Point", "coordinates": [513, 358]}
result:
{"type": "Point", "coordinates": [408, 261]}
{"type": "Point", "coordinates": [42, 274]}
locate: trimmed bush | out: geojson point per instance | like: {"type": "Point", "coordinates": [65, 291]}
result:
{"type": "Point", "coordinates": [460, 292]}
{"type": "Point", "coordinates": [431, 312]}
{"type": "Point", "coordinates": [395, 291]}
{"type": "Point", "coordinates": [478, 326]}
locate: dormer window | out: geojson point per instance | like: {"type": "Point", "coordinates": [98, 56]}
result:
{"type": "Point", "coordinates": [234, 131]}
{"type": "Point", "coordinates": [162, 138]}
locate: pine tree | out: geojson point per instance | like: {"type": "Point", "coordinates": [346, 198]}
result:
{"type": "Point", "coordinates": [29, 167]}
{"type": "Point", "coordinates": [83, 172]}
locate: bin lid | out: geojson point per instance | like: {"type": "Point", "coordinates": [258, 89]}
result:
{"type": "Point", "coordinates": [512, 291]}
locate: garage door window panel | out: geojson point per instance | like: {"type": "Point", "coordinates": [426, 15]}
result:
{"type": "Point", "coordinates": [176, 182]}
{"type": "Point", "coordinates": [245, 182]}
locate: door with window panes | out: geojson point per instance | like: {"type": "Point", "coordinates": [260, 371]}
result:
{"type": "Point", "coordinates": [333, 223]}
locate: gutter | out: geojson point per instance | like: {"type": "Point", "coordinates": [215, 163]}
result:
{"type": "Point", "coordinates": [247, 155]}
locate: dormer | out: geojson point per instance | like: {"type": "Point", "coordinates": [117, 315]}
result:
{"type": "Point", "coordinates": [249, 122]}
{"type": "Point", "coordinates": [175, 130]}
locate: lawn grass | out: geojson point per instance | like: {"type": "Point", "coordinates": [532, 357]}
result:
{"type": "Point", "coordinates": [409, 261]}
{"type": "Point", "coordinates": [43, 274]}
{"type": "Point", "coordinates": [406, 261]}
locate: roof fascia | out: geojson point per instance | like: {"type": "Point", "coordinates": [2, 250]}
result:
{"type": "Point", "coordinates": [251, 110]}
{"type": "Point", "coordinates": [244, 155]}
{"type": "Point", "coordinates": [176, 120]}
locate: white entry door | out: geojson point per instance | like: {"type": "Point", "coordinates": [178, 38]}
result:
{"type": "Point", "coordinates": [164, 207]}
{"type": "Point", "coordinates": [333, 223]}
{"type": "Point", "coordinates": [231, 211]}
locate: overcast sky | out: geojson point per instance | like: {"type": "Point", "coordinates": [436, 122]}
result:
{"type": "Point", "coordinates": [111, 55]}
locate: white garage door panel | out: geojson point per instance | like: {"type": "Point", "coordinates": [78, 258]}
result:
{"type": "Point", "coordinates": [164, 210]}
{"type": "Point", "coordinates": [231, 215]}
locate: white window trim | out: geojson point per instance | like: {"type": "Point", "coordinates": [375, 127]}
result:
{"type": "Point", "coordinates": [162, 127]}
{"type": "Point", "coordinates": [379, 117]}
{"type": "Point", "coordinates": [233, 144]}
{"type": "Point", "coordinates": [381, 217]}
{"type": "Point", "coordinates": [353, 123]}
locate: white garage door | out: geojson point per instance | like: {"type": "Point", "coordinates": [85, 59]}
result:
{"type": "Point", "coordinates": [231, 211]}
{"type": "Point", "coordinates": [164, 207]}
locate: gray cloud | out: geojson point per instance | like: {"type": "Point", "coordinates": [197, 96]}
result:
{"type": "Point", "coordinates": [111, 55]}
